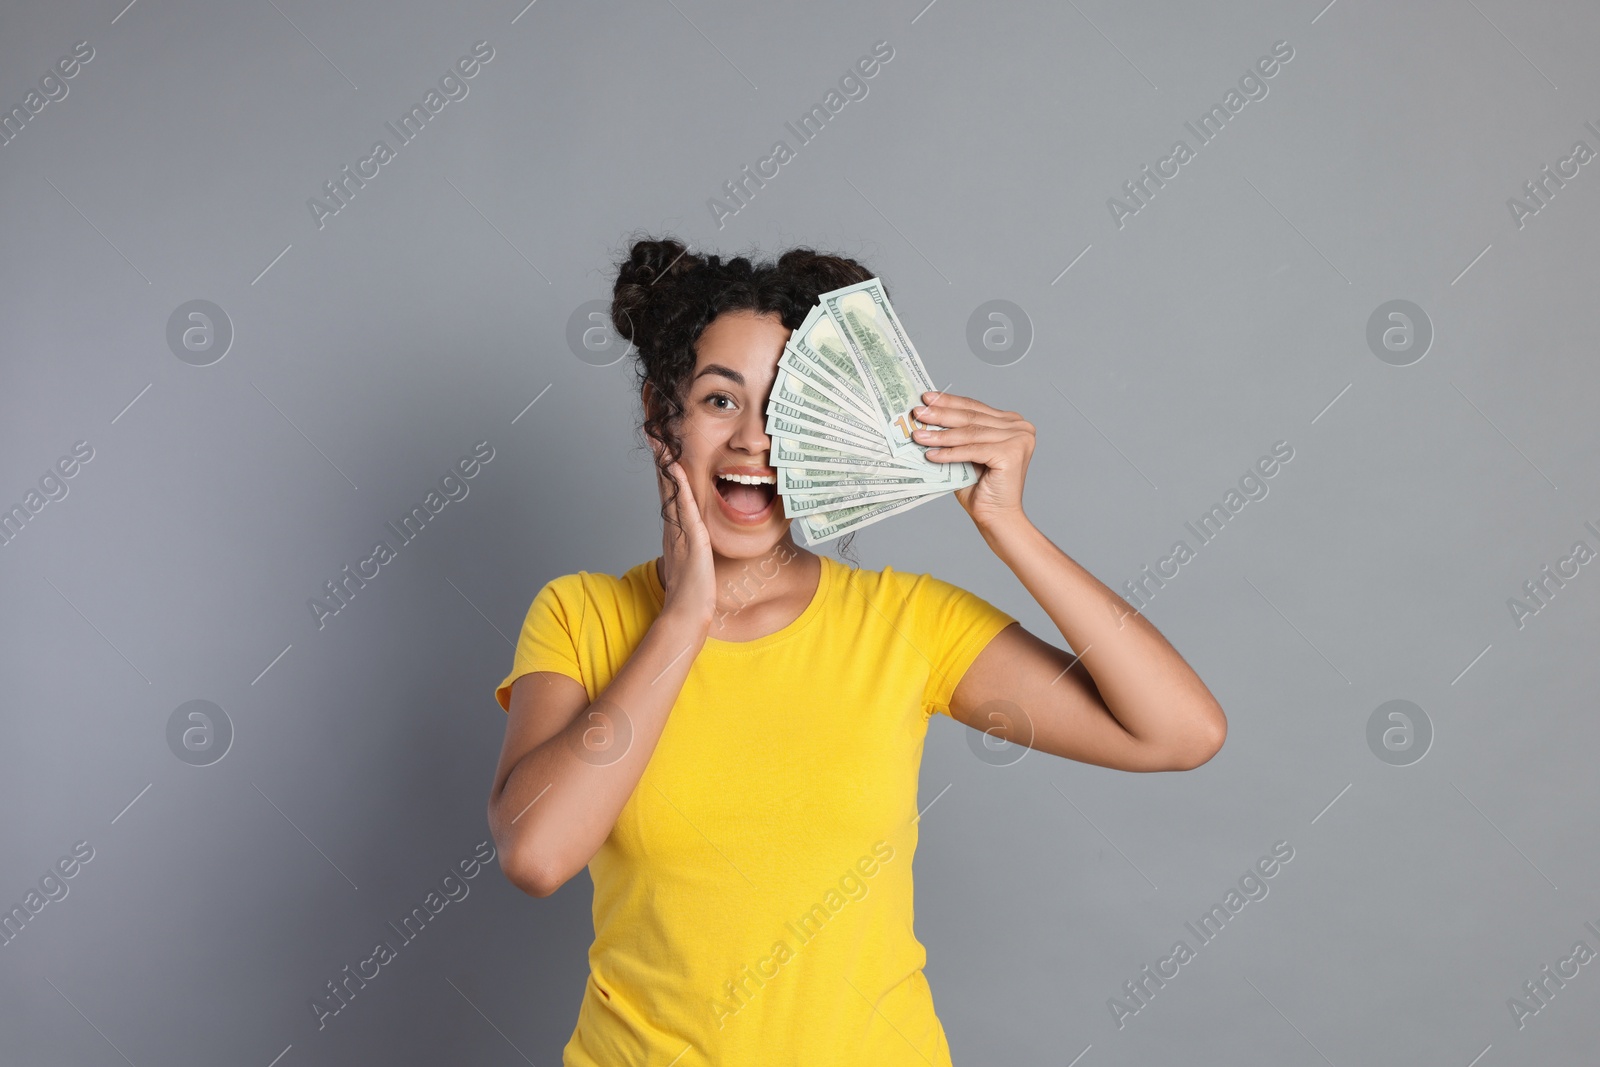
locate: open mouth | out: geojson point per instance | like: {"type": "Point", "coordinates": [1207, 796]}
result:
{"type": "Point", "coordinates": [748, 496]}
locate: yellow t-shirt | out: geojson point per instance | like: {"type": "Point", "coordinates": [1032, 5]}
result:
{"type": "Point", "coordinates": [753, 903]}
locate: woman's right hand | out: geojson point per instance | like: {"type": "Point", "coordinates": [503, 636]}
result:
{"type": "Point", "coordinates": [689, 575]}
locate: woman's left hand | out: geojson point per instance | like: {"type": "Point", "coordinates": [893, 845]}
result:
{"type": "Point", "coordinates": [1000, 443]}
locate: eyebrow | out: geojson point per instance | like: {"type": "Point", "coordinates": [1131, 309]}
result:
{"type": "Point", "coordinates": [717, 368]}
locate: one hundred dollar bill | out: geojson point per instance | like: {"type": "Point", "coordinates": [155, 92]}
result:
{"type": "Point", "coordinates": [795, 452]}
{"type": "Point", "coordinates": [819, 343]}
{"type": "Point", "coordinates": [806, 367]}
{"type": "Point", "coordinates": [805, 479]}
{"type": "Point", "coordinates": [803, 504]}
{"type": "Point", "coordinates": [818, 424]}
{"type": "Point", "coordinates": [792, 390]}
{"type": "Point", "coordinates": [826, 525]}
{"type": "Point", "coordinates": [839, 418]}
{"type": "Point", "coordinates": [821, 480]}
{"type": "Point", "coordinates": [889, 366]}
{"type": "Point", "coordinates": [781, 424]}
{"type": "Point", "coordinates": [812, 451]}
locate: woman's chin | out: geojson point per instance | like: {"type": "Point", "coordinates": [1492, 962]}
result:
{"type": "Point", "coordinates": [733, 539]}
{"type": "Point", "coordinates": [747, 544]}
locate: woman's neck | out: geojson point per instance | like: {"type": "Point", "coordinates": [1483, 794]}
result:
{"type": "Point", "coordinates": [757, 592]}
{"type": "Point", "coordinates": [760, 596]}
{"type": "Point", "coordinates": [785, 572]}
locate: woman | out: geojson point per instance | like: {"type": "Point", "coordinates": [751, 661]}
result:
{"type": "Point", "coordinates": [729, 736]}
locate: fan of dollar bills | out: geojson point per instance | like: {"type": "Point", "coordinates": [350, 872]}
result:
{"type": "Point", "coordinates": [840, 418]}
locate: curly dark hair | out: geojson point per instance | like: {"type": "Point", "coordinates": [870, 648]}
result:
{"type": "Point", "coordinates": [665, 296]}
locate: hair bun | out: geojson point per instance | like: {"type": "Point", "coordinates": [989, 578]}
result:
{"type": "Point", "coordinates": [821, 272]}
{"type": "Point", "coordinates": [644, 293]}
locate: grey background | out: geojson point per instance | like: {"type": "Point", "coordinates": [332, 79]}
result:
{"type": "Point", "coordinates": [1228, 314]}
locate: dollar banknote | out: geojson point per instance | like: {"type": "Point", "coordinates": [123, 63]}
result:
{"type": "Point", "coordinates": [839, 418]}
{"type": "Point", "coordinates": [889, 366]}
{"type": "Point", "coordinates": [826, 525]}
{"type": "Point", "coordinates": [793, 393]}
{"type": "Point", "coordinates": [806, 490]}
{"type": "Point", "coordinates": [818, 346]}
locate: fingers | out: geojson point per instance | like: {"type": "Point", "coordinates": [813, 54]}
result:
{"type": "Point", "coordinates": [964, 435]}
{"type": "Point", "coordinates": [979, 442]}
{"type": "Point", "coordinates": [936, 399]}
{"type": "Point", "coordinates": [959, 411]}
{"type": "Point", "coordinates": [952, 416]}
{"type": "Point", "coordinates": [953, 421]}
{"type": "Point", "coordinates": [969, 453]}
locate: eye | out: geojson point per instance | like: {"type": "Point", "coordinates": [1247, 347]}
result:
{"type": "Point", "coordinates": [714, 397]}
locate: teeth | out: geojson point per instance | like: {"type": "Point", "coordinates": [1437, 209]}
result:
{"type": "Point", "coordinates": [750, 479]}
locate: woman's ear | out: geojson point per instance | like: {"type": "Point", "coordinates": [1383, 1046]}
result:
{"type": "Point", "coordinates": [649, 400]}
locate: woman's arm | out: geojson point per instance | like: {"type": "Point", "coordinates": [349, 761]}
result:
{"type": "Point", "coordinates": [1128, 701]}
{"type": "Point", "coordinates": [568, 766]}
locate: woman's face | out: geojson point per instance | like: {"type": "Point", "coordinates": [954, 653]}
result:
{"type": "Point", "coordinates": [724, 432]}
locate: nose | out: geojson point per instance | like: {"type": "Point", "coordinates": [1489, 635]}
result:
{"type": "Point", "coordinates": [750, 435]}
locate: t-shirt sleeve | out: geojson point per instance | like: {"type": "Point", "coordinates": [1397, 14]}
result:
{"type": "Point", "coordinates": [550, 634]}
{"type": "Point", "coordinates": [954, 626]}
